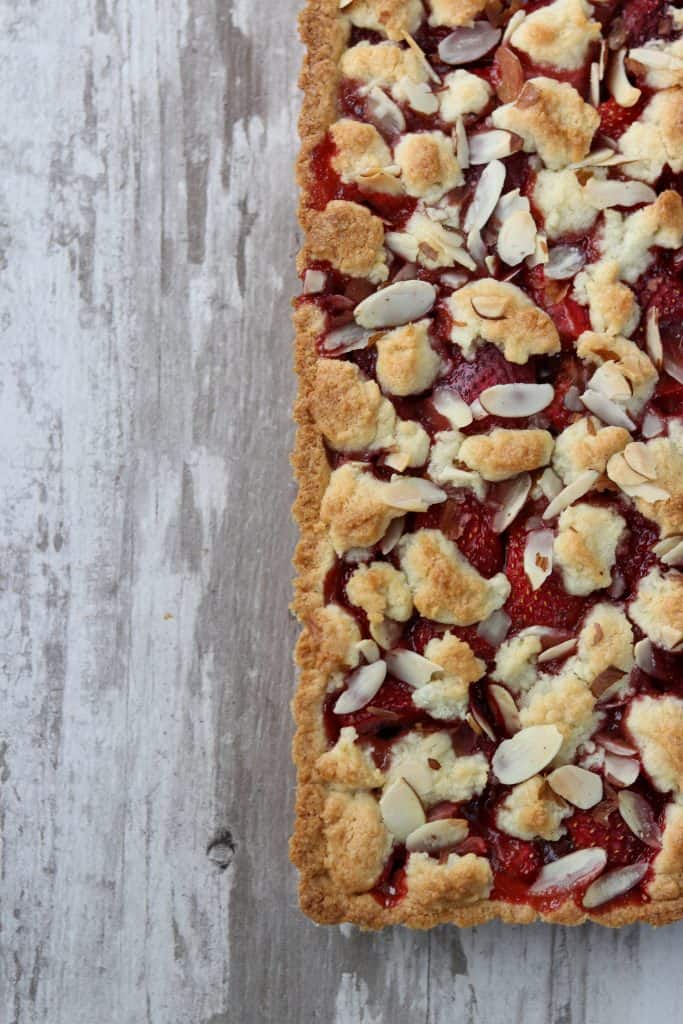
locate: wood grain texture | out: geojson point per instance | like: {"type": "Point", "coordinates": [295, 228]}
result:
{"type": "Point", "coordinates": [147, 240]}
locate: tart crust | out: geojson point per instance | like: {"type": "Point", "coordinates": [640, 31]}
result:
{"type": "Point", "coordinates": [326, 817]}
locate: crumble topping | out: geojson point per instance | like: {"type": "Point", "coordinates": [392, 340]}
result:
{"type": "Point", "coordinates": [532, 811]}
{"type": "Point", "coordinates": [463, 93]}
{"type": "Point", "coordinates": [656, 724]}
{"type": "Point", "coordinates": [585, 547]}
{"type": "Point", "coordinates": [428, 164]}
{"type": "Point", "coordinates": [393, 18]}
{"type": "Point", "coordinates": [500, 313]}
{"type": "Point", "coordinates": [658, 607]}
{"type": "Point", "coordinates": [406, 362]}
{"type": "Point", "coordinates": [560, 34]}
{"type": "Point", "coordinates": [505, 453]}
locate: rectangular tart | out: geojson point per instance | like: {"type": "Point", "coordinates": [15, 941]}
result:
{"type": "Point", "coordinates": [489, 343]}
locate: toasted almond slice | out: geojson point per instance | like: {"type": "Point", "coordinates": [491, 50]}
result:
{"type": "Point", "coordinates": [437, 835]}
{"type": "Point", "coordinates": [486, 195]}
{"type": "Point", "coordinates": [609, 192]}
{"type": "Point", "coordinates": [478, 410]}
{"type": "Point", "coordinates": [511, 496]}
{"type": "Point", "coordinates": [564, 261]}
{"type": "Point", "coordinates": [417, 773]}
{"type": "Point", "coordinates": [614, 883]}
{"type": "Point", "coordinates": [481, 724]}
{"type": "Point", "coordinates": [517, 238]}
{"type": "Point", "coordinates": [452, 279]}
{"type": "Point", "coordinates": [580, 787]}
{"type": "Point", "coordinates": [638, 815]}
{"type": "Point", "coordinates": [621, 771]}
{"type": "Point", "coordinates": [571, 493]}
{"type": "Point", "coordinates": [348, 338]}
{"type": "Point", "coordinates": [538, 557]}
{"type": "Point", "coordinates": [449, 404]}
{"type": "Point", "coordinates": [598, 158]}
{"type": "Point", "coordinates": [562, 650]}
{"type": "Point", "coordinates": [393, 535]}
{"type": "Point", "coordinates": [674, 367]}
{"type": "Point", "coordinates": [361, 687]}
{"type": "Point", "coordinates": [527, 753]}
{"type": "Point", "coordinates": [397, 460]}
{"type": "Point", "coordinates": [608, 681]}
{"type": "Point", "coordinates": [648, 492]}
{"type": "Point", "coordinates": [515, 400]}
{"type": "Point", "coordinates": [621, 473]}
{"type": "Point", "coordinates": [644, 655]}
{"type": "Point", "coordinates": [314, 282]}
{"type": "Point", "coordinates": [595, 85]}
{"type": "Point", "coordinates": [606, 410]}
{"type": "Point", "coordinates": [651, 57]}
{"type": "Point", "coordinates": [615, 745]}
{"type": "Point", "coordinates": [610, 381]}
{"type": "Point", "coordinates": [344, 3]}
{"type": "Point", "coordinates": [476, 246]}
{"type": "Point", "coordinates": [653, 339]}
{"type": "Point", "coordinates": [369, 650]}
{"type": "Point", "coordinates": [396, 304]}
{"type": "Point", "coordinates": [490, 307]}
{"type": "Point", "coordinates": [667, 544]}
{"type": "Point", "coordinates": [625, 94]}
{"type": "Point", "coordinates": [412, 668]}
{"type": "Point", "coordinates": [412, 493]}
{"type": "Point", "coordinates": [383, 112]}
{"type": "Point", "coordinates": [485, 146]}
{"type": "Point", "coordinates": [462, 146]}
{"type": "Point", "coordinates": [550, 483]}
{"type": "Point", "coordinates": [675, 556]}
{"type": "Point", "coordinates": [602, 62]}
{"type": "Point", "coordinates": [511, 202]}
{"type": "Point", "coordinates": [503, 701]}
{"type": "Point", "coordinates": [401, 809]}
{"type": "Point", "coordinates": [468, 43]}
{"type": "Point", "coordinates": [640, 458]}
{"type": "Point", "coordinates": [495, 628]}
{"type": "Point", "coordinates": [513, 24]}
{"type": "Point", "coordinates": [419, 53]}
{"type": "Point", "coordinates": [566, 872]}
{"type": "Point", "coordinates": [386, 633]}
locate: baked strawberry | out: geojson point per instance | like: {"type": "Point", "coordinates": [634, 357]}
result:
{"type": "Point", "coordinates": [641, 20]}
{"type": "Point", "coordinates": [488, 367]}
{"type": "Point", "coordinates": [664, 292]}
{"type": "Point", "coordinates": [614, 120]}
{"type": "Point", "coordinates": [616, 838]}
{"type": "Point", "coordinates": [515, 857]}
{"type": "Point", "coordinates": [467, 522]}
{"type": "Point", "coordinates": [391, 707]}
{"type": "Point", "coordinates": [550, 605]}
{"type": "Point", "coordinates": [636, 558]}
{"type": "Point", "coordinates": [567, 371]}
{"type": "Point", "coordinates": [570, 318]}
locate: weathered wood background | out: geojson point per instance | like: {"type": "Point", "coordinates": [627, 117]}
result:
{"type": "Point", "coordinates": [147, 238]}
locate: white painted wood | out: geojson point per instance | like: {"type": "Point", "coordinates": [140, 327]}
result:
{"type": "Point", "coordinates": [146, 247]}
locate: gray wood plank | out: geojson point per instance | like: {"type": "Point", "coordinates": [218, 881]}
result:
{"type": "Point", "coordinates": [147, 238]}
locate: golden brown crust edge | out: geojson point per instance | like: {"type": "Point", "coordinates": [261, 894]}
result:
{"type": "Point", "coordinates": [324, 37]}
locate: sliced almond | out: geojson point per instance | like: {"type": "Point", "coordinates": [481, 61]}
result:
{"type": "Point", "coordinates": [640, 458]}
{"type": "Point", "coordinates": [550, 483]}
{"type": "Point", "coordinates": [653, 339]}
{"type": "Point", "coordinates": [615, 745]}
{"type": "Point", "coordinates": [476, 246]}
{"type": "Point", "coordinates": [674, 367]}
{"type": "Point", "coordinates": [504, 703]}
{"type": "Point", "coordinates": [397, 460]}
{"type": "Point", "coordinates": [495, 627]}
{"type": "Point", "coordinates": [468, 43]}
{"type": "Point", "coordinates": [645, 658]}
{"type": "Point", "coordinates": [411, 667]}
{"type": "Point", "coordinates": [667, 544]}
{"type": "Point", "coordinates": [606, 410]}
{"type": "Point", "coordinates": [621, 771]}
{"type": "Point", "coordinates": [621, 473]}
{"type": "Point", "coordinates": [648, 492]}
{"type": "Point", "coordinates": [486, 195]}
{"type": "Point", "coordinates": [478, 410]}
{"type": "Point", "coordinates": [511, 202]}
{"type": "Point", "coordinates": [675, 555]}
{"type": "Point", "coordinates": [485, 146]}
{"type": "Point", "coordinates": [651, 57]}
{"type": "Point", "coordinates": [362, 685]}
{"type": "Point", "coordinates": [393, 535]}
{"type": "Point", "coordinates": [564, 261]}
{"type": "Point", "coordinates": [452, 279]}
{"type": "Point", "coordinates": [449, 404]}
{"type": "Point", "coordinates": [417, 773]}
{"type": "Point", "coordinates": [638, 815]}
{"type": "Point", "coordinates": [516, 238]}
{"type": "Point", "coordinates": [462, 146]}
{"type": "Point", "coordinates": [614, 883]}
{"type": "Point", "coordinates": [566, 872]}
{"type": "Point", "coordinates": [511, 496]}
{"type": "Point", "coordinates": [383, 112]}
{"type": "Point", "coordinates": [419, 53]}
{"type": "Point", "coordinates": [396, 304]}
{"type": "Point", "coordinates": [625, 94]}
{"type": "Point", "coordinates": [513, 24]}
{"type": "Point", "coordinates": [527, 753]}
{"type": "Point", "coordinates": [386, 633]}
{"type": "Point", "coordinates": [571, 493]}
{"type": "Point", "coordinates": [490, 307]}
{"type": "Point", "coordinates": [610, 381]}
{"type": "Point", "coordinates": [348, 338]}
{"type": "Point", "coordinates": [580, 787]}
{"type": "Point", "coordinates": [401, 809]}
{"type": "Point", "coordinates": [516, 400]}
{"type": "Point", "coordinates": [595, 85]}
{"type": "Point", "coordinates": [510, 74]}
{"type": "Point", "coordinates": [314, 282]}
{"type": "Point", "coordinates": [481, 723]}
{"type": "Point", "coordinates": [369, 650]}
{"type": "Point", "coordinates": [608, 192]}
{"type": "Point", "coordinates": [563, 650]}
{"type": "Point", "coordinates": [538, 557]}
{"type": "Point", "coordinates": [437, 835]}
{"type": "Point", "coordinates": [412, 493]}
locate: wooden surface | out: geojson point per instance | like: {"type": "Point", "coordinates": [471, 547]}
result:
{"type": "Point", "coordinates": [146, 264]}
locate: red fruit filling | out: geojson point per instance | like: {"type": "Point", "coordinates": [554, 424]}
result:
{"type": "Point", "coordinates": [550, 605]}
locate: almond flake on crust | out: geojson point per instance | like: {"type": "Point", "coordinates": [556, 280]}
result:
{"type": "Point", "coordinates": [446, 587]}
{"type": "Point", "coordinates": [531, 810]}
{"type": "Point", "coordinates": [355, 508]}
{"type": "Point", "coordinates": [350, 238]}
{"type": "Point", "coordinates": [406, 362]}
{"type": "Point", "coordinates": [585, 445]}
{"type": "Point", "coordinates": [392, 18]}
{"type": "Point", "coordinates": [435, 887]}
{"type": "Point", "coordinates": [633, 364]}
{"type": "Point", "coordinates": [656, 725]}
{"type": "Point", "coordinates": [358, 842]}
{"type": "Point", "coordinates": [429, 167]}
{"type": "Point", "coordinates": [559, 35]}
{"type": "Point", "coordinates": [381, 591]}
{"type": "Point", "coordinates": [586, 545]}
{"type": "Point", "coordinates": [504, 453]}
{"type": "Point", "coordinates": [463, 93]}
{"type": "Point", "coordinates": [501, 313]}
{"type": "Point", "coordinates": [348, 765]}
{"type": "Point", "coordinates": [658, 608]}
{"type": "Point", "coordinates": [454, 13]}
{"type": "Point", "coordinates": [447, 697]}
{"type": "Point", "coordinates": [552, 119]}
{"type": "Point", "coordinates": [429, 243]}
{"type": "Point", "coordinates": [656, 138]}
